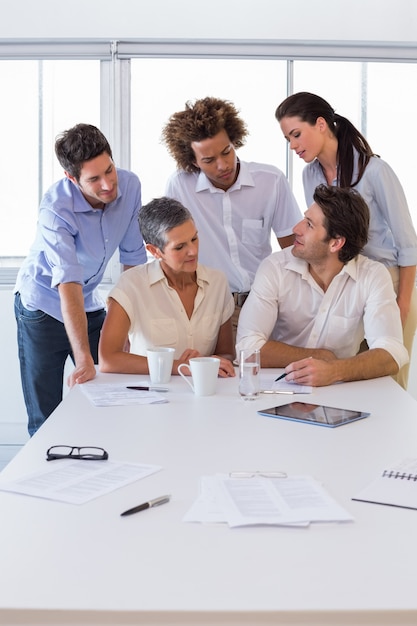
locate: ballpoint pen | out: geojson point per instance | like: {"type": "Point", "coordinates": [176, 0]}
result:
{"type": "Point", "coordinates": [148, 388]}
{"type": "Point", "coordinates": [277, 391]}
{"type": "Point", "coordinates": [281, 377]}
{"type": "Point", "coordinates": [147, 505]}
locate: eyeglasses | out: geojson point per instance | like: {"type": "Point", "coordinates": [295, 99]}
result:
{"type": "Point", "coordinates": [258, 474]}
{"type": "Point", "coordinates": [86, 453]}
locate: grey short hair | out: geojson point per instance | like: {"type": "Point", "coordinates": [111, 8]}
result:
{"type": "Point", "coordinates": [160, 216]}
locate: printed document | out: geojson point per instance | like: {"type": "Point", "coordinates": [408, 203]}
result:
{"type": "Point", "coordinates": [76, 481]}
{"type": "Point", "coordinates": [294, 501]}
{"type": "Point", "coordinates": [109, 394]}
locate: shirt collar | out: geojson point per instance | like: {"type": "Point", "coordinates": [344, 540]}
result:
{"type": "Point", "coordinates": [244, 179]}
{"type": "Point", "coordinates": [352, 268]}
{"type": "Point", "coordinates": [301, 267]}
{"type": "Point", "coordinates": [156, 274]}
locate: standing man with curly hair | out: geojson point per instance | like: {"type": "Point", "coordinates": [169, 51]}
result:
{"type": "Point", "coordinates": [236, 205]}
{"type": "Point", "coordinates": [83, 219]}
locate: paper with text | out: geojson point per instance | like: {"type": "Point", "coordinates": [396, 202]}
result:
{"type": "Point", "coordinates": [291, 501]}
{"type": "Point", "coordinates": [109, 394]}
{"type": "Point", "coordinates": [77, 482]}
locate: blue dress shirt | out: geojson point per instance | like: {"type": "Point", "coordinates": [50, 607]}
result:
{"type": "Point", "coordinates": [75, 242]}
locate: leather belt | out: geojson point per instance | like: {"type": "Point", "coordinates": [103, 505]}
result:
{"type": "Point", "coordinates": [240, 298]}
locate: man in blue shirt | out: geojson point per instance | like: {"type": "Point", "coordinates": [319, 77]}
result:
{"type": "Point", "coordinates": [83, 219]}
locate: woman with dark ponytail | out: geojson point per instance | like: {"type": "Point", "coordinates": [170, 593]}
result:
{"type": "Point", "coordinates": [336, 153]}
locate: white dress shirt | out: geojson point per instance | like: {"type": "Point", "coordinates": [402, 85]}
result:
{"type": "Point", "coordinates": [286, 304]}
{"type": "Point", "coordinates": [158, 317]}
{"type": "Point", "coordinates": [235, 226]}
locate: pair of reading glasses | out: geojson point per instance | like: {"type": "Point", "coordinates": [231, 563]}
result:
{"type": "Point", "coordinates": [258, 474]}
{"type": "Point", "coordinates": [85, 453]}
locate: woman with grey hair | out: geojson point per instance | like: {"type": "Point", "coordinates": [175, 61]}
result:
{"type": "Point", "coordinates": [173, 301]}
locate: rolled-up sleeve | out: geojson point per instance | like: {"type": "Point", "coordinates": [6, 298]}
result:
{"type": "Point", "coordinates": [259, 313]}
{"type": "Point", "coordinates": [382, 322]}
{"type": "Point", "coordinates": [391, 201]}
{"type": "Point", "coordinates": [132, 249]}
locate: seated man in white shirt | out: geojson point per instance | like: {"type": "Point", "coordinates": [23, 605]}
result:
{"type": "Point", "coordinates": [311, 305]}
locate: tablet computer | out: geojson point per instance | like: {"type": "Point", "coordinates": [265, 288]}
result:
{"type": "Point", "coordinates": [317, 414]}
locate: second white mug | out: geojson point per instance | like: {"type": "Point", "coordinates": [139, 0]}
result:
{"type": "Point", "coordinates": [160, 362]}
{"type": "Point", "coordinates": [204, 373]}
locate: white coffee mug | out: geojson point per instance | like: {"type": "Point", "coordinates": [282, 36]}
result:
{"type": "Point", "coordinates": [160, 362]}
{"type": "Point", "coordinates": [204, 373]}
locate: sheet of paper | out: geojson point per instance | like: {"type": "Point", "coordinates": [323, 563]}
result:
{"type": "Point", "coordinates": [77, 482]}
{"type": "Point", "coordinates": [268, 383]}
{"type": "Point", "coordinates": [117, 394]}
{"type": "Point", "coordinates": [290, 500]}
{"type": "Point", "coordinates": [206, 509]}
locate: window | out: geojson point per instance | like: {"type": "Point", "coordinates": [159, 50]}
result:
{"type": "Point", "coordinates": [328, 79]}
{"type": "Point", "coordinates": [44, 98]}
{"type": "Point", "coordinates": [368, 95]}
{"type": "Point", "coordinates": [162, 86]}
{"type": "Point", "coordinates": [357, 90]}
{"type": "Point", "coordinates": [390, 127]}
{"type": "Point", "coordinates": [130, 89]}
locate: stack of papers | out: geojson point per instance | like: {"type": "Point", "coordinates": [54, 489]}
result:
{"type": "Point", "coordinates": [290, 501]}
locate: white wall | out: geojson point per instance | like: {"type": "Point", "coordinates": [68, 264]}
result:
{"type": "Point", "coordinates": [332, 20]}
{"type": "Point", "coordinates": [366, 20]}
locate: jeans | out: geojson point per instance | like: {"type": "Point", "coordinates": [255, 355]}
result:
{"type": "Point", "coordinates": [43, 350]}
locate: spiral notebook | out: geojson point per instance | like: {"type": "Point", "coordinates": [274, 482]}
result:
{"type": "Point", "coordinates": [397, 486]}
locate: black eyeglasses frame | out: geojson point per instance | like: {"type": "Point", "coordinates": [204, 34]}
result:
{"type": "Point", "coordinates": [99, 456]}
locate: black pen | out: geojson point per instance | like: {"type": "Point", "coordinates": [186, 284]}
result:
{"type": "Point", "coordinates": [148, 388]}
{"type": "Point", "coordinates": [281, 377]}
{"type": "Point", "coordinates": [147, 505]}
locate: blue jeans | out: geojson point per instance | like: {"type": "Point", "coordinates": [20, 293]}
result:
{"type": "Point", "coordinates": [43, 350]}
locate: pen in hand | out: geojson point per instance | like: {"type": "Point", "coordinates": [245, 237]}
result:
{"type": "Point", "coordinates": [280, 377]}
{"type": "Point", "coordinates": [147, 505]}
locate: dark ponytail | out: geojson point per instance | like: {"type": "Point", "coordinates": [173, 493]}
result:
{"type": "Point", "coordinates": [348, 140]}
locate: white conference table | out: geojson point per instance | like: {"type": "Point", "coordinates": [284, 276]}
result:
{"type": "Point", "coordinates": [69, 564]}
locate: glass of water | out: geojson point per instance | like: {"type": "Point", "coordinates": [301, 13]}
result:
{"type": "Point", "coordinates": [249, 372]}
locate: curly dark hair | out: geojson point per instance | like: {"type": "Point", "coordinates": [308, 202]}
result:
{"type": "Point", "coordinates": [81, 143]}
{"type": "Point", "coordinates": [346, 214]}
{"type": "Point", "coordinates": [200, 120]}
